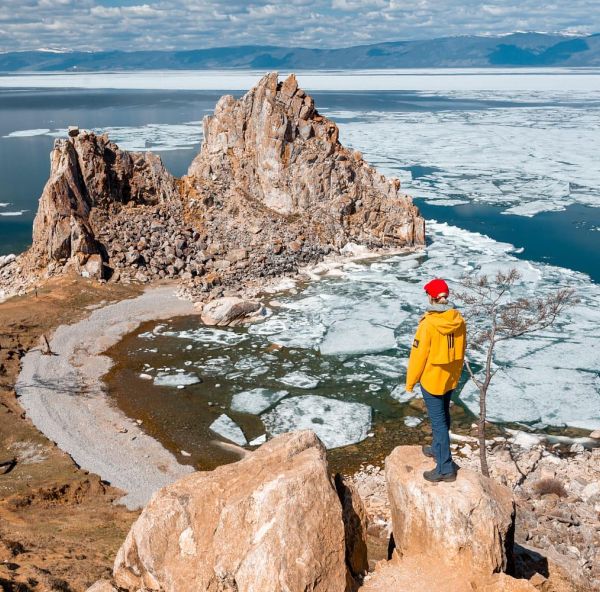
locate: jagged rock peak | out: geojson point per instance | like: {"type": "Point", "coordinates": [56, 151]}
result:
{"type": "Point", "coordinates": [89, 178]}
{"type": "Point", "coordinates": [272, 147]}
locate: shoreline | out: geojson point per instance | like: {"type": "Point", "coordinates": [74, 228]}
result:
{"type": "Point", "coordinates": [94, 432]}
{"type": "Point", "coordinates": [63, 395]}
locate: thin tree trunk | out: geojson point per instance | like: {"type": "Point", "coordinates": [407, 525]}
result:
{"type": "Point", "coordinates": [481, 432]}
{"type": "Point", "coordinates": [482, 399]}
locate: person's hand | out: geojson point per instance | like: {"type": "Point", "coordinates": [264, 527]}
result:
{"type": "Point", "coordinates": [409, 389]}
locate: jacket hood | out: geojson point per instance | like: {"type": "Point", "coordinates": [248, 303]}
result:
{"type": "Point", "coordinates": [445, 322]}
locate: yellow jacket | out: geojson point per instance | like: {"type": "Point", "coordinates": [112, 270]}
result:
{"type": "Point", "coordinates": [438, 352]}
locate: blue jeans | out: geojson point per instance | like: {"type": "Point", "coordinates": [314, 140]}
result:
{"type": "Point", "coordinates": [438, 408]}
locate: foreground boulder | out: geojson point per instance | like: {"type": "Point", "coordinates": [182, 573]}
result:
{"type": "Point", "coordinates": [449, 537]}
{"type": "Point", "coordinates": [467, 522]}
{"type": "Point", "coordinates": [271, 522]}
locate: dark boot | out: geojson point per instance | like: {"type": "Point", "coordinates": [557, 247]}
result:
{"type": "Point", "coordinates": [427, 451]}
{"type": "Point", "coordinates": [434, 477]}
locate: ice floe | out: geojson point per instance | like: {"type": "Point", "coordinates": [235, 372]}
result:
{"type": "Point", "coordinates": [337, 423]}
{"type": "Point", "coordinates": [225, 427]}
{"type": "Point", "coordinates": [28, 133]}
{"type": "Point", "coordinates": [402, 395]}
{"type": "Point", "coordinates": [255, 401]}
{"type": "Point", "coordinates": [209, 336]}
{"type": "Point", "coordinates": [152, 136]}
{"type": "Point", "coordinates": [300, 380]}
{"type": "Point", "coordinates": [258, 441]}
{"type": "Point", "coordinates": [177, 379]}
{"type": "Point", "coordinates": [352, 336]}
{"type": "Point", "coordinates": [410, 421]}
{"type": "Point", "coordinates": [520, 157]}
{"type": "Point", "coordinates": [13, 214]}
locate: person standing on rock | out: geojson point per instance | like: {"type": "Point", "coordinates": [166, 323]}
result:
{"type": "Point", "coordinates": [436, 362]}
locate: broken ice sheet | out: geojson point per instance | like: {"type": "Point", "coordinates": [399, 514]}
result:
{"type": "Point", "coordinates": [225, 427]}
{"type": "Point", "coordinates": [348, 337]}
{"type": "Point", "coordinates": [209, 336]}
{"type": "Point", "coordinates": [389, 366]}
{"type": "Point", "coordinates": [410, 421]}
{"type": "Point", "coordinates": [402, 395]}
{"type": "Point", "coordinates": [553, 396]}
{"type": "Point", "coordinates": [336, 423]}
{"type": "Point", "coordinates": [255, 401]}
{"type": "Point", "coordinates": [177, 379]}
{"type": "Point", "coordinates": [300, 380]}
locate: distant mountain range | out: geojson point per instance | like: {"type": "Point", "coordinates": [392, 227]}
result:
{"type": "Point", "coordinates": [514, 50]}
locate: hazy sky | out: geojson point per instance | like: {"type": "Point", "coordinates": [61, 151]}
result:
{"type": "Point", "coordinates": [187, 24]}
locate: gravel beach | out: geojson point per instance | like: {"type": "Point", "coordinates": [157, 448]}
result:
{"type": "Point", "coordinates": [63, 396]}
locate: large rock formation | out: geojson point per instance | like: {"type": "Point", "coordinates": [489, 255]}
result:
{"type": "Point", "coordinates": [272, 149]}
{"type": "Point", "coordinates": [271, 522]}
{"type": "Point", "coordinates": [474, 526]}
{"type": "Point", "coordinates": [449, 537]}
{"type": "Point", "coordinates": [271, 189]}
{"type": "Point", "coordinates": [90, 179]}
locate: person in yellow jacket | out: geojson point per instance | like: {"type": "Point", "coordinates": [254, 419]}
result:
{"type": "Point", "coordinates": [436, 362]}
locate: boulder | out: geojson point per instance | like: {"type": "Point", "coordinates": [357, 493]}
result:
{"type": "Point", "coordinates": [94, 267]}
{"type": "Point", "coordinates": [6, 259]}
{"type": "Point", "coordinates": [230, 310]}
{"type": "Point", "coordinates": [271, 522]}
{"type": "Point", "coordinates": [465, 524]}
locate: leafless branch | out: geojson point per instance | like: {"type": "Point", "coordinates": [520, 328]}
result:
{"type": "Point", "coordinates": [492, 316]}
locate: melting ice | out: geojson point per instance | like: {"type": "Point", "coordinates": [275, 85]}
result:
{"type": "Point", "coordinates": [337, 423]}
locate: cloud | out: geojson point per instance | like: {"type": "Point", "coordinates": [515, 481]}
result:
{"type": "Point", "coordinates": [191, 24]}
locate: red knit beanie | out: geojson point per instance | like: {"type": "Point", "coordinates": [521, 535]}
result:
{"type": "Point", "coordinates": [436, 287]}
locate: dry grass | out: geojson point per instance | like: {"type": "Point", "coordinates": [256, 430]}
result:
{"type": "Point", "coordinates": [547, 486]}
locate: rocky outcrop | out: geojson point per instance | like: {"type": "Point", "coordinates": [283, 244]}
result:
{"type": "Point", "coordinates": [271, 190]}
{"type": "Point", "coordinates": [272, 150]}
{"type": "Point", "coordinates": [90, 179]}
{"type": "Point", "coordinates": [449, 537]}
{"type": "Point", "coordinates": [472, 527]}
{"type": "Point", "coordinates": [558, 503]}
{"type": "Point", "coordinates": [270, 522]}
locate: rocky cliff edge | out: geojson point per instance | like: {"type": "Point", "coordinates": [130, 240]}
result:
{"type": "Point", "coordinates": [276, 522]}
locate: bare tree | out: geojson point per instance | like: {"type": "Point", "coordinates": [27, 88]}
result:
{"type": "Point", "coordinates": [493, 316]}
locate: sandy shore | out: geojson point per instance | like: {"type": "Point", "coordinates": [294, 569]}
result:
{"type": "Point", "coordinates": [63, 396]}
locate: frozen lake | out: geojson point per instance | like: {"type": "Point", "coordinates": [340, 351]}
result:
{"type": "Point", "coordinates": [507, 154]}
{"type": "Point", "coordinates": [521, 143]}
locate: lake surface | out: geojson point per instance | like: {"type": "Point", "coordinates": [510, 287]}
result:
{"type": "Point", "coordinates": [504, 162]}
